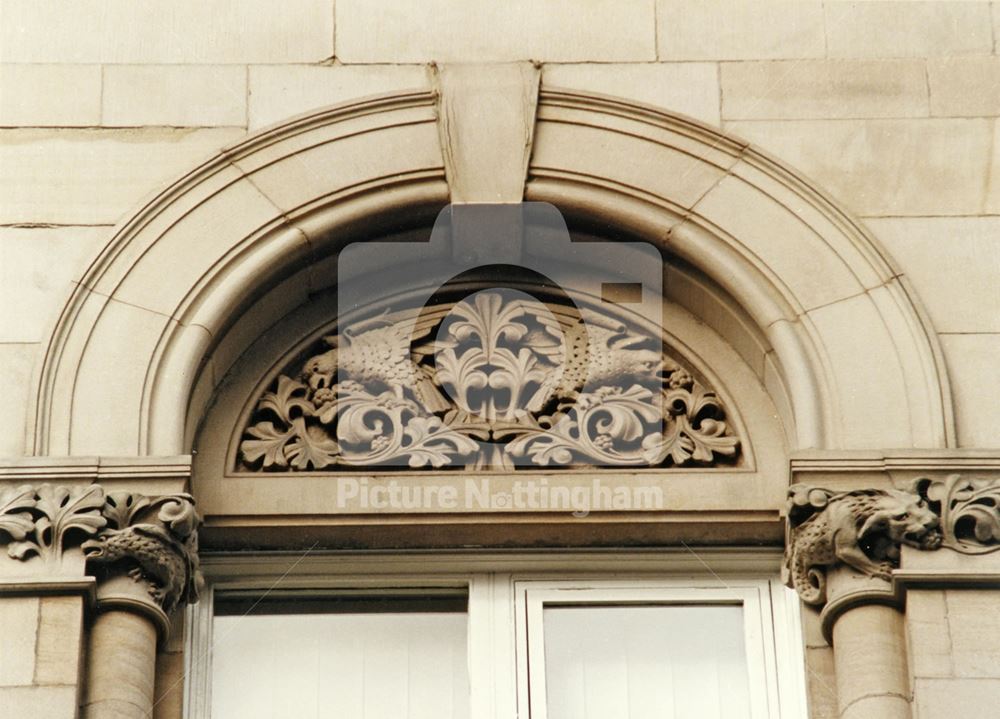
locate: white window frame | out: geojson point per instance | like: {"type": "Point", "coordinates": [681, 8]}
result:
{"type": "Point", "coordinates": [506, 595]}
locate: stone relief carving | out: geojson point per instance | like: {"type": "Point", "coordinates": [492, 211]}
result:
{"type": "Point", "coordinates": [865, 528]}
{"type": "Point", "coordinates": [490, 381]}
{"type": "Point", "coordinates": [40, 519]}
{"type": "Point", "coordinates": [969, 509]}
{"type": "Point", "coordinates": [154, 540]}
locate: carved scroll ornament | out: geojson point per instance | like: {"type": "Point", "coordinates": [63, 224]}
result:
{"type": "Point", "coordinates": [153, 540]}
{"type": "Point", "coordinates": [491, 381]}
{"type": "Point", "coordinates": [864, 529]}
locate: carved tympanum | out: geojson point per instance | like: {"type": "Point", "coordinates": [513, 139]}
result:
{"type": "Point", "coordinates": [153, 540]}
{"type": "Point", "coordinates": [499, 379]}
{"type": "Point", "coordinates": [862, 528]}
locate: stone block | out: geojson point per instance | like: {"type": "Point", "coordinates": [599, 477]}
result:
{"type": "Point", "coordinates": [17, 361]}
{"type": "Point", "coordinates": [964, 86]}
{"type": "Point", "coordinates": [19, 624]}
{"type": "Point", "coordinates": [992, 202]}
{"type": "Point", "coordinates": [725, 30]}
{"type": "Point", "coordinates": [94, 176]}
{"type": "Point", "coordinates": [885, 167]}
{"type": "Point", "coordinates": [50, 95]}
{"type": "Point", "coordinates": [929, 644]}
{"type": "Point", "coordinates": [185, 31]}
{"type": "Point", "coordinates": [936, 698]}
{"type": "Point", "coordinates": [907, 29]}
{"type": "Point", "coordinates": [60, 640]}
{"type": "Point", "coordinates": [974, 627]}
{"type": "Point", "coordinates": [177, 95]}
{"type": "Point", "coordinates": [821, 683]}
{"type": "Point", "coordinates": [484, 31]}
{"type": "Point", "coordinates": [37, 266]}
{"type": "Point", "coordinates": [806, 89]}
{"type": "Point", "coordinates": [47, 702]}
{"type": "Point", "coordinates": [281, 91]}
{"type": "Point", "coordinates": [690, 88]}
{"type": "Point", "coordinates": [854, 338]}
{"type": "Point", "coordinates": [952, 263]}
{"type": "Point", "coordinates": [975, 376]}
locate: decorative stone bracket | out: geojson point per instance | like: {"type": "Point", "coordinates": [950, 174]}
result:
{"type": "Point", "coordinates": [142, 550]}
{"type": "Point", "coordinates": [865, 529]}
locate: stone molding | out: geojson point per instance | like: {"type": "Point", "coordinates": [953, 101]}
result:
{"type": "Point", "coordinates": [646, 171]}
{"type": "Point", "coordinates": [497, 380]}
{"type": "Point", "coordinates": [143, 550]}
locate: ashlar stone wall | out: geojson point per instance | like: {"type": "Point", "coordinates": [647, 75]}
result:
{"type": "Point", "coordinates": [891, 106]}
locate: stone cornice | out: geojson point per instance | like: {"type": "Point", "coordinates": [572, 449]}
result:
{"type": "Point", "coordinates": [805, 464]}
{"type": "Point", "coordinates": [20, 470]}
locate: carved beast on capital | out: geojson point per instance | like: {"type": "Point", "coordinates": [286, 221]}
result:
{"type": "Point", "coordinates": [863, 529]}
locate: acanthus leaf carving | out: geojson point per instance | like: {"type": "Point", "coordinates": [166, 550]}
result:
{"type": "Point", "coordinates": [969, 509]}
{"type": "Point", "coordinates": [494, 381]}
{"type": "Point", "coordinates": [152, 539]}
{"type": "Point", "coordinates": [40, 519]}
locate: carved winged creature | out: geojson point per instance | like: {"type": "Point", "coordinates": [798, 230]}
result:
{"type": "Point", "coordinates": [377, 353]}
{"type": "Point", "coordinates": [595, 351]}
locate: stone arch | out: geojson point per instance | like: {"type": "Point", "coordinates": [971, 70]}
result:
{"type": "Point", "coordinates": [854, 353]}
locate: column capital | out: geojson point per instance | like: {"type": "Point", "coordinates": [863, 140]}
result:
{"type": "Point", "coordinates": [843, 547]}
{"type": "Point", "coordinates": [142, 550]}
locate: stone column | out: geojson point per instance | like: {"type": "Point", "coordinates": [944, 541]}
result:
{"type": "Point", "coordinates": [129, 558]}
{"type": "Point", "coordinates": [841, 550]}
{"type": "Point", "coordinates": [146, 566]}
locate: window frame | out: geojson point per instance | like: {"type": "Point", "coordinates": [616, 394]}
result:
{"type": "Point", "coordinates": [502, 589]}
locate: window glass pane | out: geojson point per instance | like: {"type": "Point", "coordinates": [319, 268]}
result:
{"type": "Point", "coordinates": [645, 662]}
{"type": "Point", "coordinates": [341, 660]}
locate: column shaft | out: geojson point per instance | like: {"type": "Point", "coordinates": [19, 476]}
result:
{"type": "Point", "coordinates": [869, 649]}
{"type": "Point", "coordinates": [121, 666]}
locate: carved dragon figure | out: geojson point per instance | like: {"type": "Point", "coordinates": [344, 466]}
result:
{"type": "Point", "coordinates": [863, 529]}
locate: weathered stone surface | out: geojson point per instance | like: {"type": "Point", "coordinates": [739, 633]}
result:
{"type": "Point", "coordinates": [934, 698]}
{"type": "Point", "coordinates": [111, 170]}
{"type": "Point", "coordinates": [974, 628]}
{"type": "Point", "coordinates": [723, 30]}
{"type": "Point", "coordinates": [281, 91]}
{"type": "Point", "coordinates": [202, 96]}
{"type": "Point", "coordinates": [42, 702]}
{"type": "Point", "coordinates": [952, 263]}
{"type": "Point", "coordinates": [19, 627]}
{"type": "Point", "coordinates": [187, 31]}
{"type": "Point", "coordinates": [60, 637]}
{"type": "Point", "coordinates": [929, 644]}
{"type": "Point", "coordinates": [690, 88]}
{"type": "Point", "coordinates": [484, 31]}
{"type": "Point", "coordinates": [964, 86]}
{"type": "Point", "coordinates": [121, 658]}
{"type": "Point", "coordinates": [50, 95]}
{"type": "Point", "coordinates": [886, 167]}
{"type": "Point", "coordinates": [972, 367]}
{"type": "Point", "coordinates": [823, 89]}
{"type": "Point", "coordinates": [37, 266]}
{"type": "Point", "coordinates": [17, 361]}
{"type": "Point", "coordinates": [821, 683]}
{"type": "Point", "coordinates": [912, 29]}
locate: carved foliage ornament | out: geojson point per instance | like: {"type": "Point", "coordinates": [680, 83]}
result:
{"type": "Point", "coordinates": [152, 539]}
{"type": "Point", "coordinates": [496, 380]}
{"type": "Point", "coordinates": [864, 529]}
